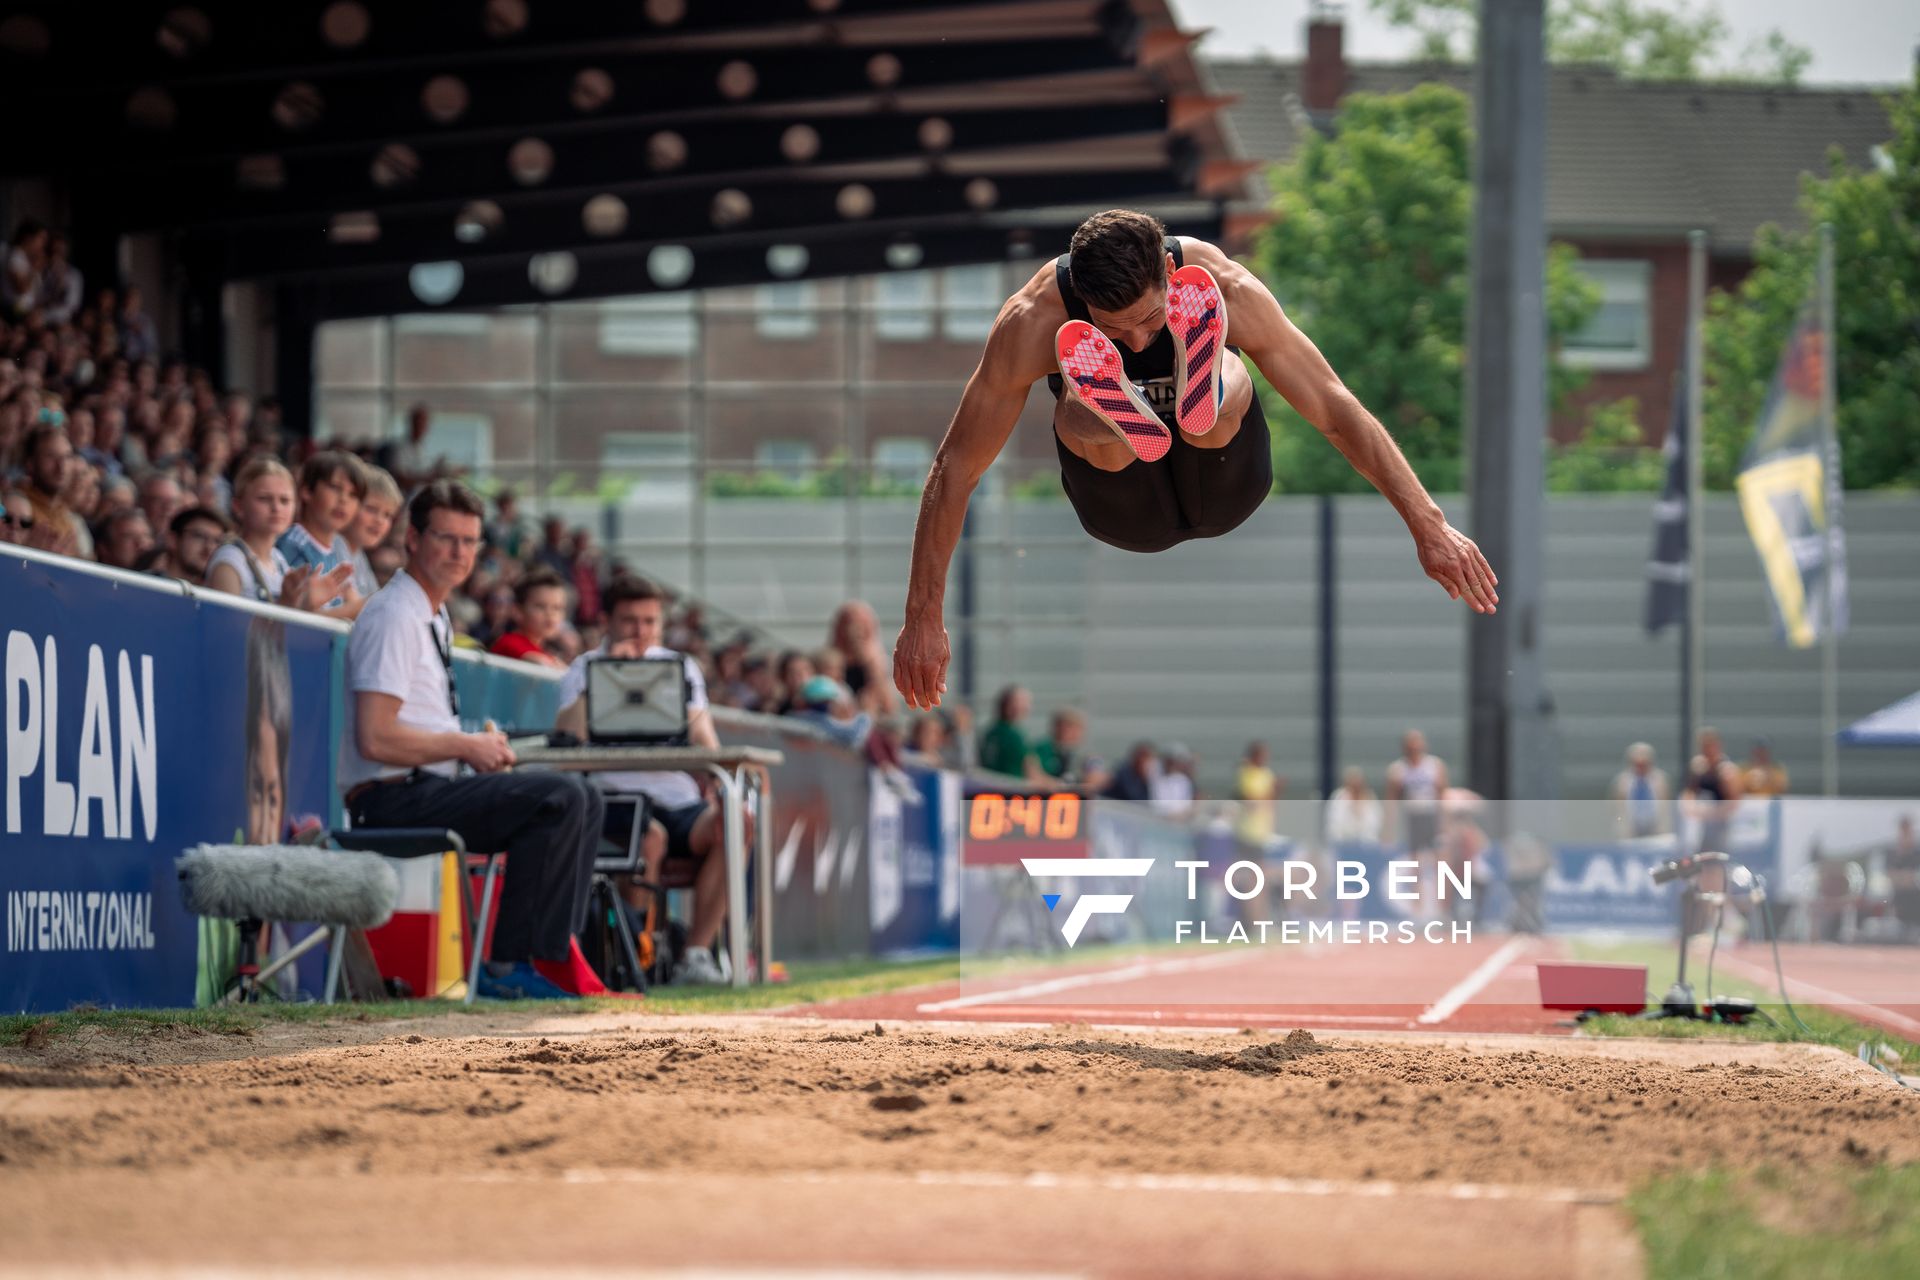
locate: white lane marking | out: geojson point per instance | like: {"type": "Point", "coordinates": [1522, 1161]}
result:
{"type": "Point", "coordinates": [1240, 1184]}
{"type": "Point", "coordinates": [1196, 1015]}
{"type": "Point", "coordinates": [1474, 983]}
{"type": "Point", "coordinates": [1075, 980]}
{"type": "Point", "coordinates": [196, 1271]}
{"type": "Point", "coordinates": [1206, 1183]}
{"type": "Point", "coordinates": [1820, 995]}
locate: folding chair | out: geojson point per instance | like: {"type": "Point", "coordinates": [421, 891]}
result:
{"type": "Point", "coordinates": [428, 842]}
{"type": "Point", "coordinates": [619, 954]}
{"type": "Point", "coordinates": [639, 955]}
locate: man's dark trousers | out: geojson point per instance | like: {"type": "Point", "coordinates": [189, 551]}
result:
{"type": "Point", "coordinates": [549, 825]}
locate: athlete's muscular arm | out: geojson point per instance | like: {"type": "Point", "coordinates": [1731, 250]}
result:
{"type": "Point", "coordinates": [1298, 371]}
{"type": "Point", "coordinates": [1014, 358]}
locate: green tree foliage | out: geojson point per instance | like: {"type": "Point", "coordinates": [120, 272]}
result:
{"type": "Point", "coordinates": [836, 477]}
{"type": "Point", "coordinates": [1635, 37]}
{"type": "Point", "coordinates": [1611, 455]}
{"type": "Point", "coordinates": [1368, 254]}
{"type": "Point", "coordinates": [1875, 213]}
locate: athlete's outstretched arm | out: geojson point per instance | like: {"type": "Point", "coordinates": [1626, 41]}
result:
{"type": "Point", "coordinates": [989, 408]}
{"type": "Point", "coordinates": [1299, 372]}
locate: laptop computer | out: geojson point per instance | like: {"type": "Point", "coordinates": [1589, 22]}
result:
{"type": "Point", "coordinates": [637, 700]}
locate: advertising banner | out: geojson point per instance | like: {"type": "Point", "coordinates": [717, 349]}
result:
{"type": "Point", "coordinates": [138, 723]}
{"type": "Point", "coordinates": [913, 844]}
{"type": "Point", "coordinates": [819, 837]}
{"type": "Point", "coordinates": [1609, 885]}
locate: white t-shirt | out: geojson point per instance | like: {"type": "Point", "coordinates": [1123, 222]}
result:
{"type": "Point", "coordinates": [667, 790]}
{"type": "Point", "coordinates": [23, 296]}
{"type": "Point", "coordinates": [1419, 783]}
{"type": "Point", "coordinates": [242, 562]}
{"type": "Point", "coordinates": [1171, 793]}
{"type": "Point", "coordinates": [392, 649]}
{"type": "Point", "coordinates": [365, 581]}
{"type": "Point", "coordinates": [1353, 821]}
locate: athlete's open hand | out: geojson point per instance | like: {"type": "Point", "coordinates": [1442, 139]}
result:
{"type": "Point", "coordinates": [920, 662]}
{"type": "Point", "coordinates": [1451, 559]}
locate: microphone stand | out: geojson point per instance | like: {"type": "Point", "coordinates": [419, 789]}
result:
{"type": "Point", "coordinates": [1680, 1001]}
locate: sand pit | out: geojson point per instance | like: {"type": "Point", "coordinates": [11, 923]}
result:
{"type": "Point", "coordinates": [754, 1142]}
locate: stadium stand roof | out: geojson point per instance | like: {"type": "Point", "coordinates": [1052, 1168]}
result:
{"type": "Point", "coordinates": [388, 155]}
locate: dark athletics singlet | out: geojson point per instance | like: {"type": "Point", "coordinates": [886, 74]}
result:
{"type": "Point", "coordinates": [1190, 493]}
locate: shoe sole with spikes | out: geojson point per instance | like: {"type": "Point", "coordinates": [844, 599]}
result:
{"type": "Point", "coordinates": [1097, 378]}
{"type": "Point", "coordinates": [1198, 318]}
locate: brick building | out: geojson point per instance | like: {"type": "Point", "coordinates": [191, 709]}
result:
{"type": "Point", "coordinates": [1632, 167]}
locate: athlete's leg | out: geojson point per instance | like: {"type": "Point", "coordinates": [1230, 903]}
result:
{"type": "Point", "coordinates": [1087, 437]}
{"type": "Point", "coordinates": [1236, 392]}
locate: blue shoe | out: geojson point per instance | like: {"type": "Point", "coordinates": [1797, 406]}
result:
{"type": "Point", "coordinates": [522, 982]}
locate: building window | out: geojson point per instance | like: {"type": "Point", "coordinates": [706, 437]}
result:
{"type": "Point", "coordinates": [653, 467]}
{"type": "Point", "coordinates": [463, 439]}
{"type": "Point", "coordinates": [659, 324]}
{"type": "Point", "coordinates": [972, 300]}
{"type": "Point", "coordinates": [1619, 334]}
{"type": "Point", "coordinates": [903, 306]}
{"type": "Point", "coordinates": [647, 451]}
{"type": "Point", "coordinates": [443, 324]}
{"type": "Point", "coordinates": [789, 459]}
{"type": "Point", "coordinates": [902, 458]}
{"type": "Point", "coordinates": [785, 311]}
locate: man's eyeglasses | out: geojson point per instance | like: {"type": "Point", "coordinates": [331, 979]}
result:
{"type": "Point", "coordinates": [453, 541]}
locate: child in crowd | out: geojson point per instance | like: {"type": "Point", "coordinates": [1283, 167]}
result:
{"type": "Point", "coordinates": [370, 528]}
{"type": "Point", "coordinates": [252, 565]}
{"type": "Point", "coordinates": [539, 615]}
{"type": "Point", "coordinates": [332, 484]}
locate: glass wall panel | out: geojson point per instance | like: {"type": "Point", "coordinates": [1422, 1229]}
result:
{"type": "Point", "coordinates": [455, 348]}
{"type": "Point", "coordinates": [351, 353]}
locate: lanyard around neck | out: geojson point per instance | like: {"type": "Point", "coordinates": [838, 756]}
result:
{"type": "Point", "coordinates": [444, 651]}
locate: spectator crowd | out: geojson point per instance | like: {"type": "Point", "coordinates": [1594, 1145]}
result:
{"type": "Point", "coordinates": [112, 451]}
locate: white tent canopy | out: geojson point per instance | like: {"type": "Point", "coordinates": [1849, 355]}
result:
{"type": "Point", "coordinates": [1893, 726]}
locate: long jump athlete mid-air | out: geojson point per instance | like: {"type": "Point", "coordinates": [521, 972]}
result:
{"type": "Point", "coordinates": [1160, 435]}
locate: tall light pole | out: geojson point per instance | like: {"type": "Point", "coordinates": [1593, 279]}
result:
{"type": "Point", "coordinates": [1510, 745]}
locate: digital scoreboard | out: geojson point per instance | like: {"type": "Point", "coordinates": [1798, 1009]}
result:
{"type": "Point", "coordinates": [1003, 827]}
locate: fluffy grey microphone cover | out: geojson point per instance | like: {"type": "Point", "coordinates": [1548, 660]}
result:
{"type": "Point", "coordinates": [288, 882]}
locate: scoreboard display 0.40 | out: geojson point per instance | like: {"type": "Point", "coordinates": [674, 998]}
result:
{"type": "Point", "coordinates": [1005, 826]}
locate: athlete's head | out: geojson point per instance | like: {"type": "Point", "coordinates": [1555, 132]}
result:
{"type": "Point", "coordinates": [1120, 271]}
{"type": "Point", "coordinates": [636, 612]}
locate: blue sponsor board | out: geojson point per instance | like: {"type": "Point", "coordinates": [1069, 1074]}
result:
{"type": "Point", "coordinates": [516, 701]}
{"type": "Point", "coordinates": [1609, 886]}
{"type": "Point", "coordinates": [138, 723]}
{"type": "Point", "coordinates": [913, 835]}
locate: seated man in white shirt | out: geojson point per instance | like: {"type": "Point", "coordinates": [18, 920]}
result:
{"type": "Point", "coordinates": [685, 823]}
{"type": "Point", "coordinates": [401, 757]}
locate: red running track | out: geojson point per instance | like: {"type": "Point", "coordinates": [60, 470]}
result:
{"type": "Point", "coordinates": [1876, 984]}
{"type": "Point", "coordinates": [1487, 985]}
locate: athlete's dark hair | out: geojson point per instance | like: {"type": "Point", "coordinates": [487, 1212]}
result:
{"type": "Point", "coordinates": [327, 464]}
{"type": "Point", "coordinates": [443, 495]}
{"type": "Point", "coordinates": [538, 580]}
{"type": "Point", "coordinates": [1003, 703]}
{"type": "Point", "coordinates": [628, 586]}
{"type": "Point", "coordinates": [1117, 256]}
{"type": "Point", "coordinates": [178, 525]}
